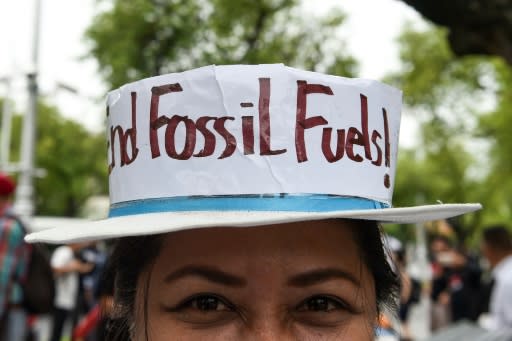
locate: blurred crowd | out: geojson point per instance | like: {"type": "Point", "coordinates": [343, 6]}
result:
{"type": "Point", "coordinates": [66, 285]}
{"type": "Point", "coordinates": [69, 285]}
{"type": "Point", "coordinates": [460, 285]}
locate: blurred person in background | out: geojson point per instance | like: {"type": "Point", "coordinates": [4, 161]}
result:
{"type": "Point", "coordinates": [410, 288]}
{"type": "Point", "coordinates": [440, 311]}
{"type": "Point", "coordinates": [14, 257]}
{"type": "Point", "coordinates": [66, 268]}
{"type": "Point", "coordinates": [496, 247]}
{"type": "Point", "coordinates": [105, 294]}
{"type": "Point", "coordinates": [89, 281]}
{"type": "Point", "coordinates": [96, 255]}
{"type": "Point", "coordinates": [93, 307]}
{"type": "Point", "coordinates": [455, 284]}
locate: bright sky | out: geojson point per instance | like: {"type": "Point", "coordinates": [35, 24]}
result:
{"type": "Point", "coordinates": [369, 32]}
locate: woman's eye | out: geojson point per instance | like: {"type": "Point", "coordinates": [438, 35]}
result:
{"type": "Point", "coordinates": [207, 303]}
{"type": "Point", "coordinates": [323, 311]}
{"type": "Point", "coordinates": [204, 309]}
{"type": "Point", "coordinates": [322, 304]}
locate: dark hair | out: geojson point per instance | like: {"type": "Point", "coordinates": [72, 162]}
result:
{"type": "Point", "coordinates": [130, 257]}
{"type": "Point", "coordinates": [498, 237]}
{"type": "Point", "coordinates": [368, 236]}
{"type": "Point", "coordinates": [133, 255]}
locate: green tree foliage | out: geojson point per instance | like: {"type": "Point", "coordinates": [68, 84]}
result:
{"type": "Point", "coordinates": [444, 94]}
{"type": "Point", "coordinates": [495, 127]}
{"type": "Point", "coordinates": [73, 159]}
{"type": "Point", "coordinates": [141, 38]}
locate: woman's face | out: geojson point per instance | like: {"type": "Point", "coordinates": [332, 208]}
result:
{"type": "Point", "coordinates": [298, 281]}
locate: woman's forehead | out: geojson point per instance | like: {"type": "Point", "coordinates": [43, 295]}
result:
{"type": "Point", "coordinates": [267, 234]}
{"type": "Point", "coordinates": [294, 245]}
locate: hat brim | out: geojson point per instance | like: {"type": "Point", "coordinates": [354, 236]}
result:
{"type": "Point", "coordinates": [164, 222]}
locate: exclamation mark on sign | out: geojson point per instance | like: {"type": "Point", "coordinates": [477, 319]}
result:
{"type": "Point", "coordinates": [387, 151]}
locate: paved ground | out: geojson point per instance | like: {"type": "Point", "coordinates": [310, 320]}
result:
{"type": "Point", "coordinates": [419, 320]}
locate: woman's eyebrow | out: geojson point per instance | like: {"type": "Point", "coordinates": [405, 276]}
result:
{"type": "Point", "coordinates": [320, 275]}
{"type": "Point", "coordinates": [209, 273]}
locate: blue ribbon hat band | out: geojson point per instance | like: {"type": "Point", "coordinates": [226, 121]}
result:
{"type": "Point", "coordinates": [267, 202]}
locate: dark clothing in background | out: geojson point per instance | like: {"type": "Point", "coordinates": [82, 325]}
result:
{"type": "Point", "coordinates": [484, 298]}
{"type": "Point", "coordinates": [59, 319]}
{"type": "Point", "coordinates": [104, 292]}
{"type": "Point", "coordinates": [464, 287]}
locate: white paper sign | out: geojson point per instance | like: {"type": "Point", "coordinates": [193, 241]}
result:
{"type": "Point", "coordinates": [235, 130]}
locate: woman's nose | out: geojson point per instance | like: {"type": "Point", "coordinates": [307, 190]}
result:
{"type": "Point", "coordinates": [268, 333]}
{"type": "Point", "coordinates": [269, 327]}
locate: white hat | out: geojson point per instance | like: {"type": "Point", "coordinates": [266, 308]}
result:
{"type": "Point", "coordinates": [248, 145]}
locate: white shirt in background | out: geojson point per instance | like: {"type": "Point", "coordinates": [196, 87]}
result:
{"type": "Point", "coordinates": [66, 285]}
{"type": "Point", "coordinates": [501, 296]}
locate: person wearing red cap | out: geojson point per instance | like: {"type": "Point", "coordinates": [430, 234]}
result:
{"type": "Point", "coordinates": [14, 254]}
